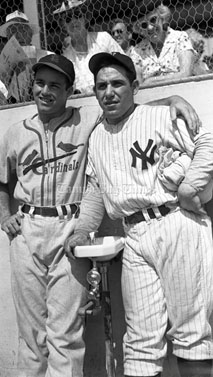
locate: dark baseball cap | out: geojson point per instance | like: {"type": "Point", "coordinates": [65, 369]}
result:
{"type": "Point", "coordinates": [104, 59]}
{"type": "Point", "coordinates": [59, 63]}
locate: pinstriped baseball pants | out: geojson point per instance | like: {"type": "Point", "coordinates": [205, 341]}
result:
{"type": "Point", "coordinates": [167, 278]}
{"type": "Point", "coordinates": [48, 291]}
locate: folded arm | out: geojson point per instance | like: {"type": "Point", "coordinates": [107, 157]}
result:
{"type": "Point", "coordinates": [91, 214]}
{"type": "Point", "coordinates": [198, 175]}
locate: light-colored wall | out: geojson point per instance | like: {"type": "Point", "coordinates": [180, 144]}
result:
{"type": "Point", "coordinates": [200, 94]}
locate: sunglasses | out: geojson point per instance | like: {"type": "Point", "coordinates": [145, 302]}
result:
{"type": "Point", "coordinates": [152, 20]}
{"type": "Point", "coordinates": [118, 31]}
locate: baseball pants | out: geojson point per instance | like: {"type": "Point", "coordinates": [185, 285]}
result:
{"type": "Point", "coordinates": [167, 278]}
{"type": "Point", "coordinates": [48, 291]}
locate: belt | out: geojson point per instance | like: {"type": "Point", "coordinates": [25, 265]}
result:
{"type": "Point", "coordinates": [52, 211]}
{"type": "Point", "coordinates": [137, 217]}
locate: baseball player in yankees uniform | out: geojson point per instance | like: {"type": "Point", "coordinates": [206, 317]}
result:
{"type": "Point", "coordinates": [47, 153]}
{"type": "Point", "coordinates": [167, 266]}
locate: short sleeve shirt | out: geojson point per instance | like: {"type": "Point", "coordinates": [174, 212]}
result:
{"type": "Point", "coordinates": [175, 44]}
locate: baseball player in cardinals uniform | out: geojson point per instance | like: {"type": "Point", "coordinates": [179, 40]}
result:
{"type": "Point", "coordinates": [47, 152]}
{"type": "Point", "coordinates": [167, 267]}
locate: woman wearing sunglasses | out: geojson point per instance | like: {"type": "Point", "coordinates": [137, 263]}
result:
{"type": "Point", "coordinates": [166, 53]}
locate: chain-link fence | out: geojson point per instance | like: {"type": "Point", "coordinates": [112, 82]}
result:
{"type": "Point", "coordinates": [99, 14]}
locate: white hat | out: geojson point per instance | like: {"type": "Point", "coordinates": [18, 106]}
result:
{"type": "Point", "coordinates": [17, 18]}
{"type": "Point", "coordinates": [68, 4]}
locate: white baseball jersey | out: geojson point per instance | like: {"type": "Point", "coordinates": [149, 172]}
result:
{"type": "Point", "coordinates": [49, 163]}
{"type": "Point", "coordinates": [129, 159]}
{"type": "Point", "coordinates": [167, 263]}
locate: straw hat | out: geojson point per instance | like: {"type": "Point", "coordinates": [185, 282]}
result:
{"type": "Point", "coordinates": [17, 18]}
{"type": "Point", "coordinates": [68, 5]}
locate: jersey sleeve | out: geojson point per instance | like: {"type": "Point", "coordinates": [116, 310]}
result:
{"type": "Point", "coordinates": [184, 43]}
{"type": "Point", "coordinates": [7, 156]}
{"type": "Point", "coordinates": [90, 167]}
{"type": "Point", "coordinates": [199, 149]}
{"type": "Point", "coordinates": [92, 209]}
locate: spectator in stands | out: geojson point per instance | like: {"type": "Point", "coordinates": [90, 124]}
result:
{"type": "Point", "coordinates": [166, 53]}
{"type": "Point", "coordinates": [198, 43]}
{"type": "Point", "coordinates": [19, 84]}
{"type": "Point", "coordinates": [122, 33]}
{"type": "Point", "coordinates": [81, 44]}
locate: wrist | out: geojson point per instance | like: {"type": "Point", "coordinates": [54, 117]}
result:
{"type": "Point", "coordinates": [82, 233]}
{"type": "Point", "coordinates": [4, 218]}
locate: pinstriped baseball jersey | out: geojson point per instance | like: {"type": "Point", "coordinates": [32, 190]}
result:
{"type": "Point", "coordinates": [126, 167]}
{"type": "Point", "coordinates": [49, 161]}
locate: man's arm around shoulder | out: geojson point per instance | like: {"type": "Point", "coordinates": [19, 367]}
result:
{"type": "Point", "coordinates": [179, 107]}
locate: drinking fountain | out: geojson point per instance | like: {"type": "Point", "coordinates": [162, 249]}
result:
{"type": "Point", "coordinates": [101, 251]}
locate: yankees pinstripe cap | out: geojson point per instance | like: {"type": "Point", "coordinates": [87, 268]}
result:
{"type": "Point", "coordinates": [59, 63]}
{"type": "Point", "coordinates": [104, 59]}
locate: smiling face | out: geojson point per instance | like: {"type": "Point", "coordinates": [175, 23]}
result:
{"type": "Point", "coordinates": [50, 90]}
{"type": "Point", "coordinates": [151, 27]}
{"type": "Point", "coordinates": [74, 22]}
{"type": "Point", "coordinates": [121, 35]}
{"type": "Point", "coordinates": [115, 93]}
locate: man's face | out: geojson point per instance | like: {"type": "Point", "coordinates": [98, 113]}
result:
{"type": "Point", "coordinates": [74, 22]}
{"type": "Point", "coordinates": [151, 27]}
{"type": "Point", "coordinates": [114, 93]}
{"type": "Point", "coordinates": [22, 32]}
{"type": "Point", "coordinates": [121, 35]}
{"type": "Point", "coordinates": [50, 93]}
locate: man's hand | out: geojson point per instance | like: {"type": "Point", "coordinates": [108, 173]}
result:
{"type": "Point", "coordinates": [189, 199]}
{"type": "Point", "coordinates": [12, 225]}
{"type": "Point", "coordinates": [77, 239]}
{"type": "Point", "coordinates": [179, 107]}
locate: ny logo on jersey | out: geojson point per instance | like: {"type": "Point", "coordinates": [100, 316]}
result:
{"type": "Point", "coordinates": [137, 152]}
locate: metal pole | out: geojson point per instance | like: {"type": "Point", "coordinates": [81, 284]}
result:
{"type": "Point", "coordinates": [110, 362]}
{"type": "Point", "coordinates": [44, 24]}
